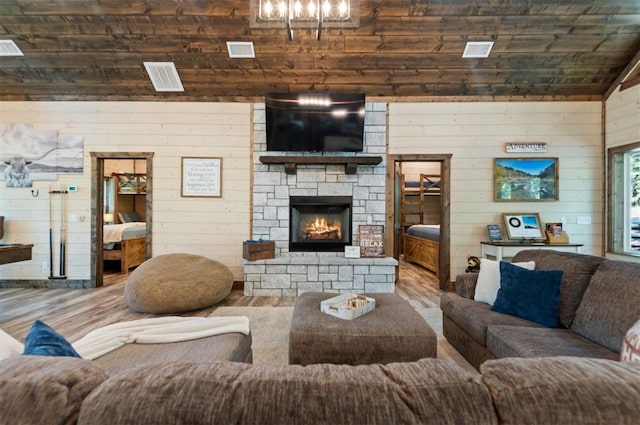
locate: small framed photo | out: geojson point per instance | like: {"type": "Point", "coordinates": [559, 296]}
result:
{"type": "Point", "coordinates": [554, 229]}
{"type": "Point", "coordinates": [495, 234]}
{"type": "Point", "coordinates": [523, 226]}
{"type": "Point", "coordinates": [201, 177]}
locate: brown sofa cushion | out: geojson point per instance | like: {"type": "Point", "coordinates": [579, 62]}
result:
{"type": "Point", "coordinates": [520, 341]}
{"type": "Point", "coordinates": [577, 272]}
{"type": "Point", "coordinates": [611, 304]}
{"type": "Point", "coordinates": [45, 390]}
{"type": "Point", "coordinates": [175, 283]}
{"type": "Point", "coordinates": [429, 391]}
{"type": "Point", "coordinates": [234, 347]}
{"type": "Point", "coordinates": [564, 390]}
{"type": "Point", "coordinates": [475, 317]}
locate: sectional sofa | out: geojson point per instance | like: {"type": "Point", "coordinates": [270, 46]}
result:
{"type": "Point", "coordinates": [599, 302]}
{"type": "Point", "coordinates": [564, 390]}
{"type": "Point", "coordinates": [566, 375]}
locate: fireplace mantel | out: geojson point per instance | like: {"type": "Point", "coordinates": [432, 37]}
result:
{"type": "Point", "coordinates": [350, 162]}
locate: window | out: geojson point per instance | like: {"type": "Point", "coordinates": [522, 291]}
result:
{"type": "Point", "coordinates": [624, 200]}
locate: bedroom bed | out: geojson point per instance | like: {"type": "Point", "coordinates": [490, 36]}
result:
{"type": "Point", "coordinates": [421, 245]}
{"type": "Point", "coordinates": [126, 243]}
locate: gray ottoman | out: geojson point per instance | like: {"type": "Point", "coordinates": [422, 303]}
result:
{"type": "Point", "coordinates": [393, 332]}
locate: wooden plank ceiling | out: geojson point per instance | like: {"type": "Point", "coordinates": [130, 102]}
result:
{"type": "Point", "coordinates": [94, 49]}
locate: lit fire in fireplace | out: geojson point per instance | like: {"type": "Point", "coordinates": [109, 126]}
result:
{"type": "Point", "coordinates": [319, 228]}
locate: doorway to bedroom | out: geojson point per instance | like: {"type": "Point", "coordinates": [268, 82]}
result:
{"type": "Point", "coordinates": [121, 206]}
{"type": "Point", "coordinates": [418, 212]}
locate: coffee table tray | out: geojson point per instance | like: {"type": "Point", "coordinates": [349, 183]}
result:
{"type": "Point", "coordinates": [348, 306]}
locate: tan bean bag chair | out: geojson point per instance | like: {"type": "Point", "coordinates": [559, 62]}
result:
{"type": "Point", "coordinates": [175, 283]}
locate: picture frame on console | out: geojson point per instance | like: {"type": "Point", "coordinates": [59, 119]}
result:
{"type": "Point", "coordinates": [525, 179]}
{"type": "Point", "coordinates": [523, 226]}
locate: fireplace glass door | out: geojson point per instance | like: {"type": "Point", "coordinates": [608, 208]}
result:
{"type": "Point", "coordinates": [319, 223]}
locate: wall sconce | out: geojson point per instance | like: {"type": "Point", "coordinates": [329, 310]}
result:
{"type": "Point", "coordinates": [298, 14]}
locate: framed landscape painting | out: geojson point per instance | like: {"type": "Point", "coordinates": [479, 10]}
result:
{"type": "Point", "coordinates": [525, 179]}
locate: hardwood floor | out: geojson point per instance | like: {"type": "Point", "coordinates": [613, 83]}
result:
{"type": "Point", "coordinates": [74, 312]}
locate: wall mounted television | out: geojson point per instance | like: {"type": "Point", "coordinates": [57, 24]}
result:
{"type": "Point", "coordinates": [315, 122]}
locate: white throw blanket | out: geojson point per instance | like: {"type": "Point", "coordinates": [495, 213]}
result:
{"type": "Point", "coordinates": [156, 330]}
{"type": "Point", "coordinates": [113, 232]}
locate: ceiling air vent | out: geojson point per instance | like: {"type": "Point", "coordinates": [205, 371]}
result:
{"type": "Point", "coordinates": [477, 49]}
{"type": "Point", "coordinates": [9, 48]}
{"type": "Point", "coordinates": [240, 49]}
{"type": "Point", "coordinates": [164, 76]}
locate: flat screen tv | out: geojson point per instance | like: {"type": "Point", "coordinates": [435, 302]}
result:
{"type": "Point", "coordinates": [315, 122]}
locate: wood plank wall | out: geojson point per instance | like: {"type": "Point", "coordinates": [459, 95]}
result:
{"type": "Point", "coordinates": [476, 133]}
{"type": "Point", "coordinates": [622, 125]}
{"type": "Point", "coordinates": [213, 227]}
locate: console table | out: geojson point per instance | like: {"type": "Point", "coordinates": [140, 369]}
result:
{"type": "Point", "coordinates": [506, 250]}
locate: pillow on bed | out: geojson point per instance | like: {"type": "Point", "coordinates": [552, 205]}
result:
{"type": "Point", "coordinates": [129, 217]}
{"type": "Point", "coordinates": [489, 279]}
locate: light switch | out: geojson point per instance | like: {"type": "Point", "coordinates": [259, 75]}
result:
{"type": "Point", "coordinates": [583, 219]}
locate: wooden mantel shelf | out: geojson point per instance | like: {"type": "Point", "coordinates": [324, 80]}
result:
{"type": "Point", "coordinates": [350, 162]}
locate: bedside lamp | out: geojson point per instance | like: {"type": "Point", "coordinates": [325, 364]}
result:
{"type": "Point", "coordinates": [107, 218]}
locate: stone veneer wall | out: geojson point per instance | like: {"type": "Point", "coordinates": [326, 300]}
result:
{"type": "Point", "coordinates": [289, 274]}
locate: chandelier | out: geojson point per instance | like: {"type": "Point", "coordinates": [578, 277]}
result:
{"type": "Point", "coordinates": [294, 14]}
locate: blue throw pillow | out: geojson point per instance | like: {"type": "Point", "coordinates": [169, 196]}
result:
{"type": "Point", "coordinates": [530, 294]}
{"type": "Point", "coordinates": [44, 341]}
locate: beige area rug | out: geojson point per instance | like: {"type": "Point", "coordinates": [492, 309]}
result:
{"type": "Point", "coordinates": [270, 333]}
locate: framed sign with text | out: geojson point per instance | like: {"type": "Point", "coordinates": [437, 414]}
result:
{"type": "Point", "coordinates": [201, 177]}
{"type": "Point", "coordinates": [371, 238]}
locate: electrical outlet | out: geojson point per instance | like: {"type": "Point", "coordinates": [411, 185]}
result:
{"type": "Point", "coordinates": [44, 265]}
{"type": "Point", "coordinates": [563, 220]}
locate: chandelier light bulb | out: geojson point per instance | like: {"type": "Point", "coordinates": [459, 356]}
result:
{"type": "Point", "coordinates": [343, 9]}
{"type": "Point", "coordinates": [311, 7]}
{"type": "Point", "coordinates": [282, 9]}
{"type": "Point", "coordinates": [297, 9]}
{"type": "Point", "coordinates": [268, 8]}
{"type": "Point", "coordinates": [326, 8]}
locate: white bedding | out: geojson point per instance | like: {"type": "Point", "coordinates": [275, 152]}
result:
{"type": "Point", "coordinates": [113, 232]}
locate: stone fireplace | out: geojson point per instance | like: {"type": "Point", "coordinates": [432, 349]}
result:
{"type": "Point", "coordinates": [300, 265]}
{"type": "Point", "coordinates": [319, 223]}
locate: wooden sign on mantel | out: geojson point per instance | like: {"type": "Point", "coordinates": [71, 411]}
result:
{"type": "Point", "coordinates": [526, 148]}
